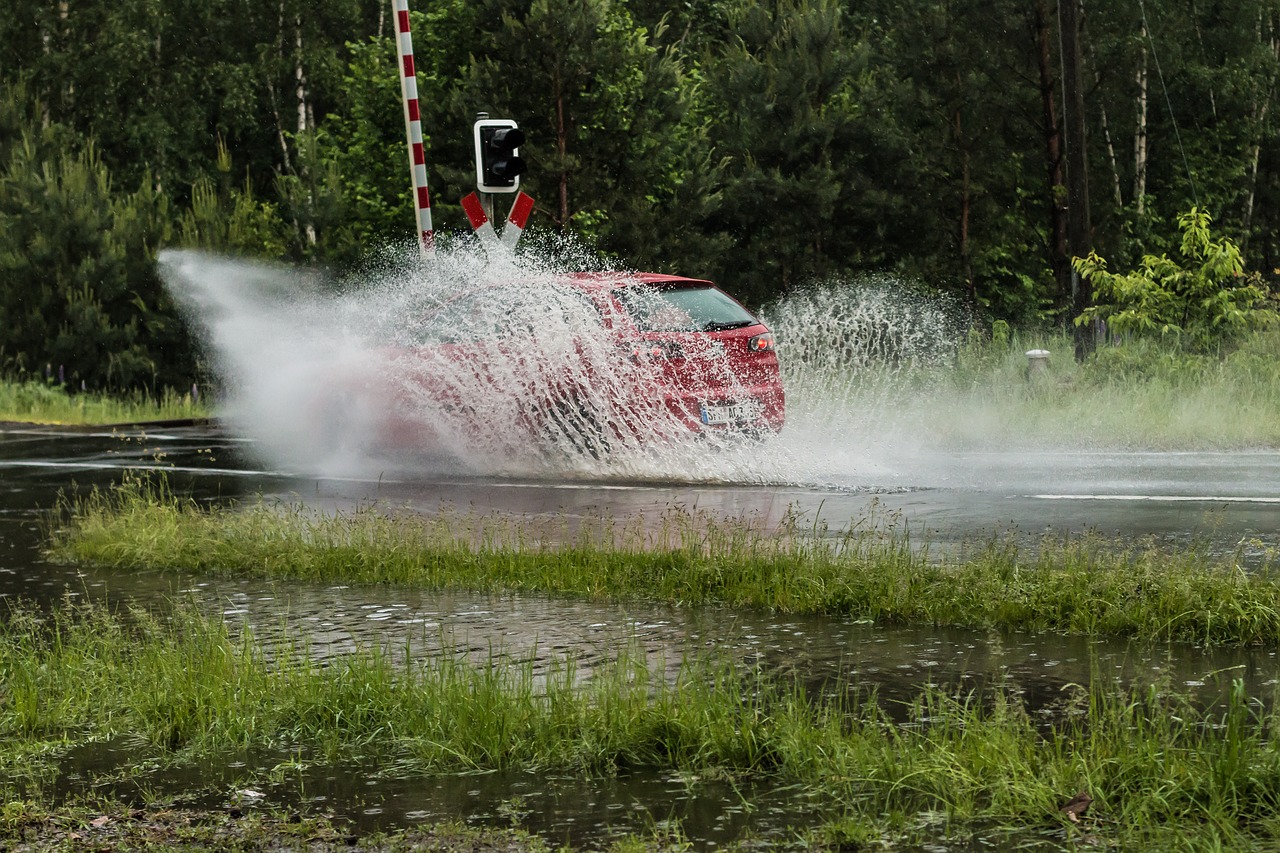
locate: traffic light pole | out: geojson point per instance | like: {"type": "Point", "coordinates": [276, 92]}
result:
{"type": "Point", "coordinates": [413, 131]}
{"type": "Point", "coordinates": [487, 200]}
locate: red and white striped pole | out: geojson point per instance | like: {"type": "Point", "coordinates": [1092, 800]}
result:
{"type": "Point", "coordinates": [413, 129]}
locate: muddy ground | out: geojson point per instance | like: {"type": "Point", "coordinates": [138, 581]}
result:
{"type": "Point", "coordinates": [104, 827]}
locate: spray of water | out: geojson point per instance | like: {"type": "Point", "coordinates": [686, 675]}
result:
{"type": "Point", "coordinates": [495, 367]}
{"type": "Point", "coordinates": [852, 352]}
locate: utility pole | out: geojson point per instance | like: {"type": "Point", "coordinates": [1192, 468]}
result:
{"type": "Point", "coordinates": [1079, 241]}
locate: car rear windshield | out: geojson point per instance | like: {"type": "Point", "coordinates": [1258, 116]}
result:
{"type": "Point", "coordinates": [501, 313]}
{"type": "Point", "coordinates": [683, 309]}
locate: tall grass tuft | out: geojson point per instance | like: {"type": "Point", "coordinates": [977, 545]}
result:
{"type": "Point", "coordinates": [32, 401]}
{"type": "Point", "coordinates": [1133, 394]}
{"type": "Point", "coordinates": [183, 689]}
{"type": "Point", "coordinates": [871, 571]}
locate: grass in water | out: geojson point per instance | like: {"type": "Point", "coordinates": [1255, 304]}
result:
{"type": "Point", "coordinates": [1081, 585]}
{"type": "Point", "coordinates": [1159, 767]}
{"type": "Point", "coordinates": [107, 825]}
{"type": "Point", "coordinates": [40, 402]}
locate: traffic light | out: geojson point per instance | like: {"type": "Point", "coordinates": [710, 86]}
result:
{"type": "Point", "coordinates": [498, 163]}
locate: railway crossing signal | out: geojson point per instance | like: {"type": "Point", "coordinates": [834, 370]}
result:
{"type": "Point", "coordinates": [498, 163]}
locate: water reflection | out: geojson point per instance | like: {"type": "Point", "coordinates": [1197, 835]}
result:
{"type": "Point", "coordinates": [820, 651]}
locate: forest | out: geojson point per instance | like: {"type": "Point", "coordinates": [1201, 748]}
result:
{"type": "Point", "coordinates": [766, 146]}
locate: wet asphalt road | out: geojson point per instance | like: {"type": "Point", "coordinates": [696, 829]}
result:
{"type": "Point", "coordinates": [1222, 501]}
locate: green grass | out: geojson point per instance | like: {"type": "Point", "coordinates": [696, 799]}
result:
{"type": "Point", "coordinates": [43, 403]}
{"type": "Point", "coordinates": [873, 571]}
{"type": "Point", "coordinates": [1141, 395]}
{"type": "Point", "coordinates": [1161, 769]}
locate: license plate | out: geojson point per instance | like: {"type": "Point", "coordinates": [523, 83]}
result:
{"type": "Point", "coordinates": [711, 348]}
{"type": "Point", "coordinates": [731, 413]}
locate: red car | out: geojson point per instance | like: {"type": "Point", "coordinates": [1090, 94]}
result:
{"type": "Point", "coordinates": [592, 362]}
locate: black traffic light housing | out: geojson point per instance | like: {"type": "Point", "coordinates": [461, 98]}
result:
{"type": "Point", "coordinates": [498, 163]}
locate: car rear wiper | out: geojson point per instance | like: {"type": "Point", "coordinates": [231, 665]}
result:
{"type": "Point", "coordinates": [724, 327]}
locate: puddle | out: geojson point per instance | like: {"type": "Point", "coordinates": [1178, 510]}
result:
{"type": "Point", "coordinates": [36, 467]}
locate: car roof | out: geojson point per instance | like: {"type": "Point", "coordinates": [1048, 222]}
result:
{"type": "Point", "coordinates": [612, 280]}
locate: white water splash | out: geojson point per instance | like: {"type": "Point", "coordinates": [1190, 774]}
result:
{"type": "Point", "coordinates": [309, 371]}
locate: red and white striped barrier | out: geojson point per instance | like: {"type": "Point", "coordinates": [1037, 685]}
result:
{"type": "Point", "coordinates": [517, 219]}
{"type": "Point", "coordinates": [413, 129]}
{"type": "Point", "coordinates": [474, 209]}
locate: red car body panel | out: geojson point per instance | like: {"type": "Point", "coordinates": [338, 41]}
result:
{"type": "Point", "coordinates": [624, 381]}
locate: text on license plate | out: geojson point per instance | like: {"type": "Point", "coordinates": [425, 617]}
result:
{"type": "Point", "coordinates": [747, 410]}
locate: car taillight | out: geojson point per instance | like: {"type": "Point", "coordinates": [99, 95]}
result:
{"type": "Point", "coordinates": [761, 343]}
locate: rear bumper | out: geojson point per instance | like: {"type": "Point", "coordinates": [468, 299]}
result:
{"type": "Point", "coordinates": [757, 407]}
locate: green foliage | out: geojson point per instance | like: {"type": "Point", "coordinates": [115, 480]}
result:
{"type": "Point", "coordinates": [363, 143]}
{"type": "Point", "coordinates": [1256, 362]}
{"type": "Point", "coordinates": [231, 221]}
{"type": "Point", "coordinates": [1205, 299]}
{"type": "Point", "coordinates": [787, 95]}
{"type": "Point", "coordinates": [80, 290]}
{"type": "Point", "coordinates": [765, 146]}
{"type": "Point", "coordinates": [982, 351]}
{"type": "Point", "coordinates": [618, 153]}
{"type": "Point", "coordinates": [1142, 360]}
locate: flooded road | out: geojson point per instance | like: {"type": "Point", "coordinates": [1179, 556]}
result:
{"type": "Point", "coordinates": [1224, 502]}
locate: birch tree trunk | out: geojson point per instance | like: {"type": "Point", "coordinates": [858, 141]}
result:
{"type": "Point", "coordinates": [966, 203]}
{"type": "Point", "coordinates": [1112, 160]}
{"type": "Point", "coordinates": [1140, 134]}
{"type": "Point", "coordinates": [1204, 56]}
{"type": "Point", "coordinates": [286, 161]}
{"type": "Point", "coordinates": [305, 123]}
{"type": "Point", "coordinates": [562, 149]}
{"type": "Point", "coordinates": [300, 77]}
{"type": "Point", "coordinates": [46, 48]}
{"type": "Point", "coordinates": [64, 32]}
{"type": "Point", "coordinates": [1265, 30]}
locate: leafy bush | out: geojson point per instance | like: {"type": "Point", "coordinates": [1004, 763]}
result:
{"type": "Point", "coordinates": [1205, 300]}
{"type": "Point", "coordinates": [1139, 361]}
